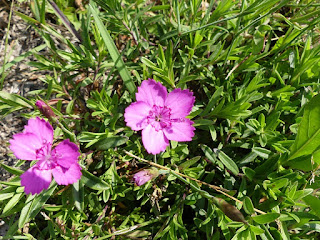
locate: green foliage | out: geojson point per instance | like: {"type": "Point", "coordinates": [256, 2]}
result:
{"type": "Point", "coordinates": [253, 67]}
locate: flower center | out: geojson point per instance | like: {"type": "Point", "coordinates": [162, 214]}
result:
{"type": "Point", "coordinates": [43, 154]}
{"type": "Point", "coordinates": [159, 117]}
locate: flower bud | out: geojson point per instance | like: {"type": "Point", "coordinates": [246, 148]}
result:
{"type": "Point", "coordinates": [45, 109]}
{"type": "Point", "coordinates": [144, 176]}
{"type": "Point", "coordinates": [231, 211]}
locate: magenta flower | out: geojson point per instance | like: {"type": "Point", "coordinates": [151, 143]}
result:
{"type": "Point", "coordinates": [144, 176]}
{"type": "Point", "coordinates": [160, 116]}
{"type": "Point", "coordinates": [35, 143]}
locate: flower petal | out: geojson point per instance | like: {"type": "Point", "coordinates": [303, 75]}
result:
{"type": "Point", "coordinates": [66, 153]}
{"type": "Point", "coordinates": [154, 141]}
{"type": "Point", "coordinates": [25, 145]}
{"type": "Point", "coordinates": [136, 115]}
{"type": "Point", "coordinates": [142, 177]}
{"type": "Point", "coordinates": [145, 175]}
{"type": "Point", "coordinates": [180, 131]}
{"type": "Point", "coordinates": [152, 92]}
{"type": "Point", "coordinates": [180, 102]}
{"type": "Point", "coordinates": [35, 180]}
{"type": "Point", "coordinates": [40, 128]}
{"type": "Point", "coordinates": [65, 176]}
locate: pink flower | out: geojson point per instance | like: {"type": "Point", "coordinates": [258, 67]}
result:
{"type": "Point", "coordinates": [144, 176]}
{"type": "Point", "coordinates": [35, 143]}
{"type": "Point", "coordinates": [160, 116]}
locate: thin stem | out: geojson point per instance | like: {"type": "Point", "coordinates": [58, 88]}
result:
{"type": "Point", "coordinates": [216, 188]}
{"type": "Point", "coordinates": [64, 129]}
{"type": "Point", "coordinates": [128, 230]}
{"type": "Point", "coordinates": [131, 32]}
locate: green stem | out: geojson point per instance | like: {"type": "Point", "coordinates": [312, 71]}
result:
{"type": "Point", "coordinates": [128, 230]}
{"type": "Point", "coordinates": [65, 130]}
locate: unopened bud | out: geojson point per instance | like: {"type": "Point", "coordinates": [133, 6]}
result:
{"type": "Point", "coordinates": [45, 109]}
{"type": "Point", "coordinates": [144, 176]}
{"type": "Point", "coordinates": [231, 211]}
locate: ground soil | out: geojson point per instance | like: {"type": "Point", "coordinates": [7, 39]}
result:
{"type": "Point", "coordinates": [19, 79]}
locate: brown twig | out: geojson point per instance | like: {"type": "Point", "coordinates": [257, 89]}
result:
{"type": "Point", "coordinates": [131, 32]}
{"type": "Point", "coordinates": [216, 188]}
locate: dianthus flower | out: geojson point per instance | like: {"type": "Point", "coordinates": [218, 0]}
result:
{"type": "Point", "coordinates": [160, 116]}
{"type": "Point", "coordinates": [35, 143]}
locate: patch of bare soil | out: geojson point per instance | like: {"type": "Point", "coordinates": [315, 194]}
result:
{"type": "Point", "coordinates": [19, 79]}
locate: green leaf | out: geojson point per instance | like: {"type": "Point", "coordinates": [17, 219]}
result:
{"type": "Point", "coordinates": [189, 163]}
{"type": "Point", "coordinates": [213, 100]}
{"type": "Point", "coordinates": [256, 230]}
{"type": "Point", "coordinates": [262, 152]}
{"type": "Point", "coordinates": [26, 210]}
{"type": "Point", "coordinates": [258, 42]}
{"type": "Point", "coordinates": [12, 170]}
{"type": "Point", "coordinates": [249, 172]}
{"type": "Point", "coordinates": [15, 181]}
{"type": "Point", "coordinates": [15, 100]}
{"type": "Point", "coordinates": [114, 53]}
{"type": "Point", "coordinates": [12, 229]}
{"type": "Point", "coordinates": [302, 193]}
{"type": "Point", "coordinates": [248, 205]}
{"type": "Point", "coordinates": [151, 65]}
{"type": "Point", "coordinates": [12, 203]}
{"type": "Point", "coordinates": [308, 137]}
{"type": "Point", "coordinates": [314, 203]}
{"type": "Point", "coordinates": [34, 204]}
{"type": "Point", "coordinates": [6, 195]}
{"type": "Point", "coordinates": [303, 163]}
{"type": "Point", "coordinates": [78, 195]}
{"type": "Point", "coordinates": [266, 218]}
{"type": "Point", "coordinates": [93, 182]}
{"type": "Point", "coordinates": [110, 142]}
{"type": "Point", "coordinates": [209, 153]}
{"type": "Point", "coordinates": [228, 162]}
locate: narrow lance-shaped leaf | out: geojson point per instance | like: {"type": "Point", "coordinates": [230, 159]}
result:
{"type": "Point", "coordinates": [266, 218]}
{"type": "Point", "coordinates": [114, 53]}
{"type": "Point", "coordinates": [93, 182]}
{"type": "Point", "coordinates": [34, 204]}
{"type": "Point", "coordinates": [110, 142]}
{"type": "Point", "coordinates": [78, 195]}
{"type": "Point", "coordinates": [64, 20]}
{"type": "Point", "coordinates": [228, 162]}
{"type": "Point", "coordinates": [248, 205]}
{"type": "Point", "coordinates": [11, 204]}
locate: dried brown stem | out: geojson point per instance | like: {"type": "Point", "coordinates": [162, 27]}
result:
{"type": "Point", "coordinates": [216, 188]}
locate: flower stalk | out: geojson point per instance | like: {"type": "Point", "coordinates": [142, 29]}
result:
{"type": "Point", "coordinates": [46, 110]}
